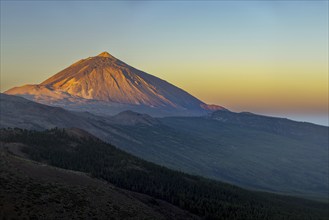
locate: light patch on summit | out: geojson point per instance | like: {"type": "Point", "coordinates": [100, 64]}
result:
{"type": "Point", "coordinates": [104, 54]}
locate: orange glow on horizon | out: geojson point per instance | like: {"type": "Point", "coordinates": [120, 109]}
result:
{"type": "Point", "coordinates": [258, 88]}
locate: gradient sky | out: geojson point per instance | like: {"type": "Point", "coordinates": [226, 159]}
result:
{"type": "Point", "coordinates": [268, 57]}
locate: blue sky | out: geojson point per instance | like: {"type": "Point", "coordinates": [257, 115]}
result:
{"type": "Point", "coordinates": [268, 57]}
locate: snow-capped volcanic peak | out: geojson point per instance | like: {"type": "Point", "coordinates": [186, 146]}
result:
{"type": "Point", "coordinates": [107, 79]}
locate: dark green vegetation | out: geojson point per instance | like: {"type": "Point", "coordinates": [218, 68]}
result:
{"type": "Point", "coordinates": [203, 197]}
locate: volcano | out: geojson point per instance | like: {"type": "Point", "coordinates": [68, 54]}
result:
{"type": "Point", "coordinates": [104, 84]}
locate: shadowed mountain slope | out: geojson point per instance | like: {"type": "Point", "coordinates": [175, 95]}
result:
{"type": "Point", "coordinates": [280, 126]}
{"type": "Point", "coordinates": [291, 160]}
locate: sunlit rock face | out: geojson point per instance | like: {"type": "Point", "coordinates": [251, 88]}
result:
{"type": "Point", "coordinates": [106, 82]}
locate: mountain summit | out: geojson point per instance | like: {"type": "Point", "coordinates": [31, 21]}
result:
{"type": "Point", "coordinates": [104, 81]}
{"type": "Point", "coordinates": [104, 54]}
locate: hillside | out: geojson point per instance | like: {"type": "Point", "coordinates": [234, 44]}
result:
{"type": "Point", "coordinates": [271, 154]}
{"type": "Point", "coordinates": [281, 126]}
{"type": "Point", "coordinates": [198, 195]}
{"type": "Point", "coordinates": [34, 190]}
{"type": "Point", "coordinates": [283, 162]}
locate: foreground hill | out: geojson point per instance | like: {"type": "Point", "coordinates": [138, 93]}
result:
{"type": "Point", "coordinates": [77, 150]}
{"type": "Point", "coordinates": [105, 85]}
{"type": "Point", "coordinates": [31, 190]}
